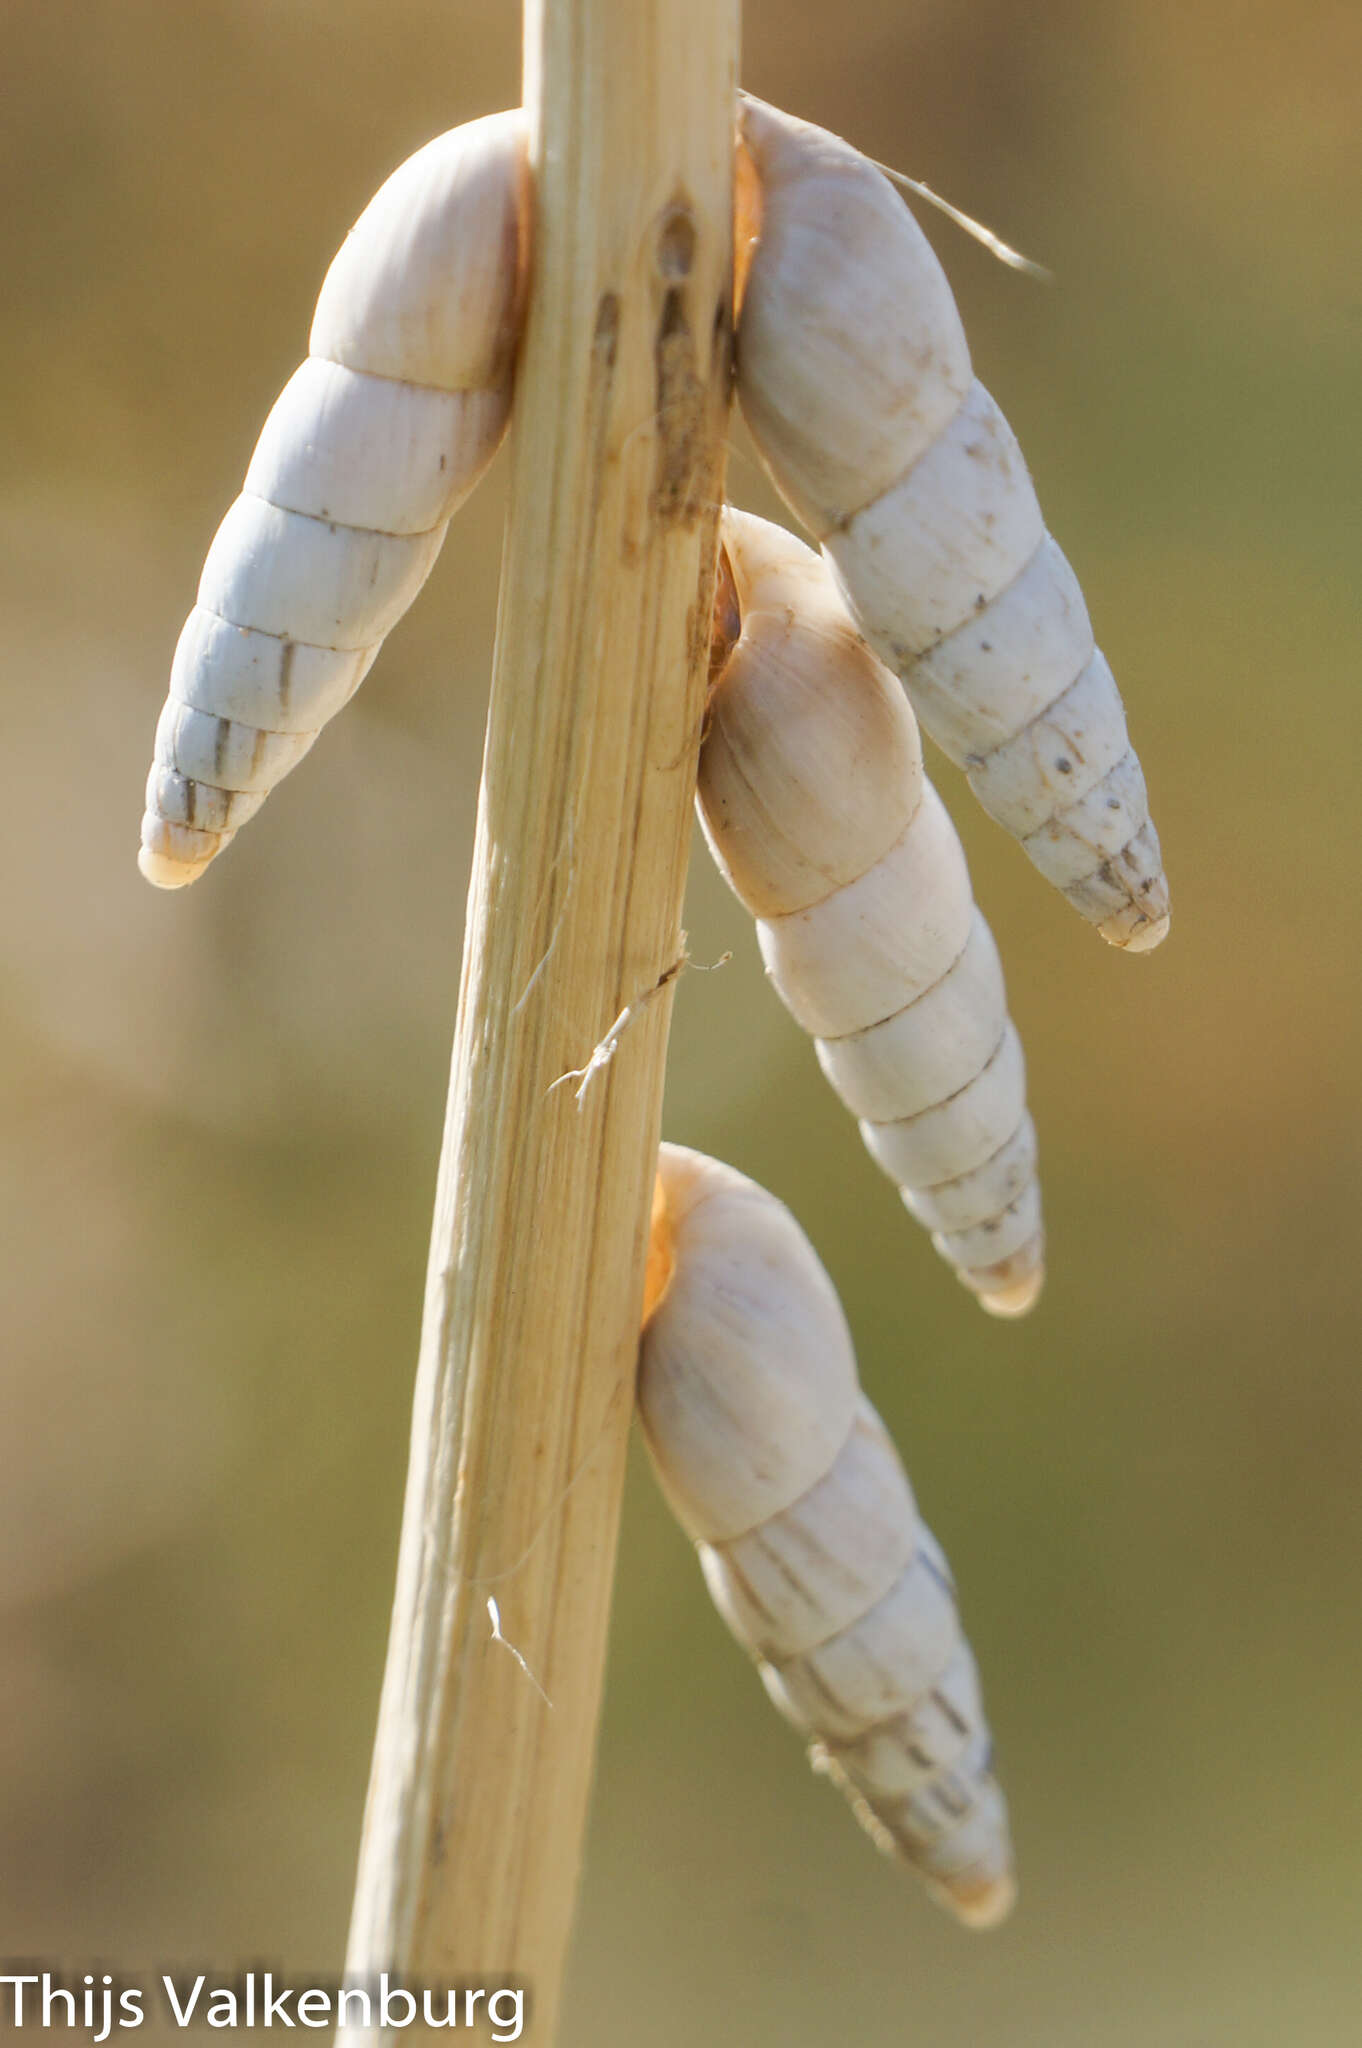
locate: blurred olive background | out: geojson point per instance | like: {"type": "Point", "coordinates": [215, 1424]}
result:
{"type": "Point", "coordinates": [221, 1110]}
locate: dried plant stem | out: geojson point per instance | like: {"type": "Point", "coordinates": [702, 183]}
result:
{"type": "Point", "coordinates": [482, 1764]}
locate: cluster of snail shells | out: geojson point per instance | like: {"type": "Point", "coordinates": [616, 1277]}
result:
{"type": "Point", "coordinates": [816, 808]}
{"type": "Point", "coordinates": [855, 378]}
{"type": "Point", "coordinates": [856, 381]}
{"type": "Point", "coordinates": [810, 1541]}
{"type": "Point", "coordinates": [372, 445]}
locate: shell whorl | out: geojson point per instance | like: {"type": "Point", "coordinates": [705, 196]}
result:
{"type": "Point", "coordinates": [854, 376]}
{"type": "Point", "coordinates": [815, 806]}
{"type": "Point", "coordinates": [370, 448]}
{"type": "Point", "coordinates": [809, 1538]}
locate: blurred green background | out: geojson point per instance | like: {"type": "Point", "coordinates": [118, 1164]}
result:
{"type": "Point", "coordinates": [221, 1111]}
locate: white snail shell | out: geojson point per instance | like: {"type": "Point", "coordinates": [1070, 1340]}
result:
{"type": "Point", "coordinates": [814, 803]}
{"type": "Point", "coordinates": [855, 379]}
{"type": "Point", "coordinates": [372, 445]}
{"type": "Point", "coordinates": [809, 1538]}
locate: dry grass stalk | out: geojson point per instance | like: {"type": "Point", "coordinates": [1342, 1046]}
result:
{"type": "Point", "coordinates": [482, 1765]}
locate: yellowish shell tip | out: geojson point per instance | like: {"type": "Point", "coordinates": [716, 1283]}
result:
{"type": "Point", "coordinates": [980, 1902]}
{"type": "Point", "coordinates": [1011, 1287]}
{"type": "Point", "coordinates": [1146, 936]}
{"type": "Point", "coordinates": [166, 874]}
{"type": "Point", "coordinates": [1016, 1299]}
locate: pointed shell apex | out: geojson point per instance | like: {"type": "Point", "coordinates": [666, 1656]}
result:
{"type": "Point", "coordinates": [981, 1903]}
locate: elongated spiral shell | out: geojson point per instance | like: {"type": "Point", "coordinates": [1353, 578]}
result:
{"type": "Point", "coordinates": [815, 806]}
{"type": "Point", "coordinates": [370, 448]}
{"type": "Point", "coordinates": [855, 378]}
{"type": "Point", "coordinates": [809, 1538]}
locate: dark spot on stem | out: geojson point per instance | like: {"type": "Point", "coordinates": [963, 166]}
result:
{"type": "Point", "coordinates": [676, 243]}
{"type": "Point", "coordinates": [680, 414]}
{"type": "Point", "coordinates": [605, 339]}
